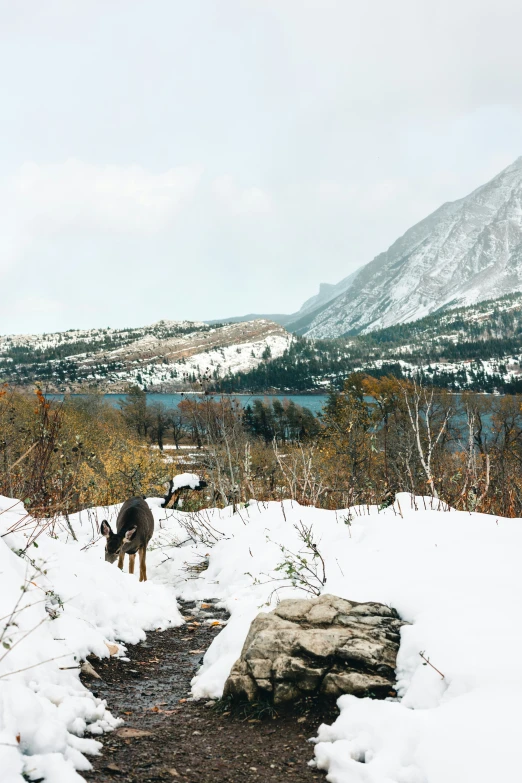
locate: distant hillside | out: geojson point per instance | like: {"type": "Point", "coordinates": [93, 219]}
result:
{"type": "Point", "coordinates": [278, 318]}
{"type": "Point", "coordinates": [166, 356]}
{"type": "Point", "coordinates": [477, 347]}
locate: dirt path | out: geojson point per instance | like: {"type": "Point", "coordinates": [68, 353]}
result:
{"type": "Point", "coordinates": [168, 739]}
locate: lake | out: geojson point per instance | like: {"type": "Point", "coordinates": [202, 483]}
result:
{"type": "Point", "coordinates": [314, 402]}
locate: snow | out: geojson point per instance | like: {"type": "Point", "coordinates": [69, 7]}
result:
{"type": "Point", "coordinates": [453, 576]}
{"type": "Point", "coordinates": [97, 335]}
{"type": "Point", "coordinates": [166, 354]}
{"type": "Point", "coordinates": [47, 717]}
{"type": "Point", "coordinates": [185, 480]}
{"type": "Point", "coordinates": [216, 362]}
{"type": "Point", "coordinates": [507, 368]}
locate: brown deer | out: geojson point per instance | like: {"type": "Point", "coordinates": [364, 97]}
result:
{"type": "Point", "coordinates": [134, 529]}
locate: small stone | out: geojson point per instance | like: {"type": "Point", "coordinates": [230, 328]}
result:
{"type": "Point", "coordinates": [209, 703]}
{"type": "Point", "coordinates": [196, 732]}
{"type": "Point", "coordinates": [127, 732]}
{"type": "Point", "coordinates": [173, 772]}
{"type": "Point", "coordinates": [112, 648]}
{"type": "Point", "coordinates": [301, 719]}
{"type": "Point", "coordinates": [88, 670]}
{"type": "Point", "coordinates": [113, 769]}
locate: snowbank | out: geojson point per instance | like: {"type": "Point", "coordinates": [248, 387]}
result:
{"type": "Point", "coordinates": [57, 605]}
{"type": "Point", "coordinates": [454, 576]}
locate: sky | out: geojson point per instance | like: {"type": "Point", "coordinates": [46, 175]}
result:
{"type": "Point", "coordinates": [197, 160]}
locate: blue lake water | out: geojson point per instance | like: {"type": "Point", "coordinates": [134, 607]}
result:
{"type": "Point", "coordinates": [314, 402]}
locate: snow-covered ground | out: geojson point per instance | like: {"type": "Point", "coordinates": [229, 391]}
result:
{"type": "Point", "coordinates": [506, 367]}
{"type": "Point", "coordinates": [57, 605]}
{"type": "Point", "coordinates": [453, 576]}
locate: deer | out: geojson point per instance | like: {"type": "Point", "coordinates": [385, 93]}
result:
{"type": "Point", "coordinates": [134, 529]}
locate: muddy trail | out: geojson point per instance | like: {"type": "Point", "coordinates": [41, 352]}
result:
{"type": "Point", "coordinates": [167, 737]}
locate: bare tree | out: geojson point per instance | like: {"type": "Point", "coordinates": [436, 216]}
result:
{"type": "Point", "coordinates": [428, 430]}
{"type": "Point", "coordinates": [158, 419]}
{"type": "Point", "coordinates": [300, 474]}
{"type": "Point", "coordinates": [176, 426]}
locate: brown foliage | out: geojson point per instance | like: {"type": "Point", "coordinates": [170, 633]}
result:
{"type": "Point", "coordinates": [377, 437]}
{"type": "Point", "coordinates": [61, 457]}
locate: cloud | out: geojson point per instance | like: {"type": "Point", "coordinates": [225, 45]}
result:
{"type": "Point", "coordinates": [236, 200]}
{"type": "Point", "coordinates": [326, 128]}
{"type": "Point", "coordinates": [79, 199]}
{"type": "Point", "coordinates": [77, 195]}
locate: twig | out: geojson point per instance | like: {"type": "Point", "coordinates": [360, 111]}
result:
{"type": "Point", "coordinates": [34, 665]}
{"type": "Point", "coordinates": [430, 664]}
{"type": "Point", "coordinates": [23, 456]}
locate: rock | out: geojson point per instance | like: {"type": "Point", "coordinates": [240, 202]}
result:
{"type": "Point", "coordinates": [113, 769]}
{"type": "Point", "coordinates": [128, 732]}
{"type": "Point", "coordinates": [112, 648]}
{"type": "Point", "coordinates": [325, 645]}
{"type": "Point", "coordinates": [88, 670]}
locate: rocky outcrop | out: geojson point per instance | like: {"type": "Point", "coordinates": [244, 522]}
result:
{"type": "Point", "coordinates": [326, 645]}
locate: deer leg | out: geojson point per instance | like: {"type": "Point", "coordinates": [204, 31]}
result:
{"type": "Point", "coordinates": [132, 558]}
{"type": "Point", "coordinates": [121, 557]}
{"type": "Point", "coordinates": [143, 564]}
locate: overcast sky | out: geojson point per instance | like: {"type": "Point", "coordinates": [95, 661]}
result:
{"type": "Point", "coordinates": [206, 158]}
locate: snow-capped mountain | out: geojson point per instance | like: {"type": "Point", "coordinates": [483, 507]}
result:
{"type": "Point", "coordinates": [327, 292]}
{"type": "Point", "coordinates": [307, 311]}
{"type": "Point", "coordinates": [466, 251]}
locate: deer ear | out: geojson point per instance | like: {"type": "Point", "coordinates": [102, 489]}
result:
{"type": "Point", "coordinates": [129, 534]}
{"type": "Point", "coordinates": [105, 529]}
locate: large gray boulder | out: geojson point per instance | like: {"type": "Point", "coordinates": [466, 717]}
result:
{"type": "Point", "coordinates": [325, 646]}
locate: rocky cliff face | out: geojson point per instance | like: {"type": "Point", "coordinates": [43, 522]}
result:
{"type": "Point", "coordinates": [467, 251]}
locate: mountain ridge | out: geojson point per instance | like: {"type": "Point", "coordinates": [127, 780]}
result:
{"type": "Point", "coordinates": [464, 252]}
{"type": "Point", "coordinates": [165, 356]}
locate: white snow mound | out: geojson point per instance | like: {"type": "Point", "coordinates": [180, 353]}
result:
{"type": "Point", "coordinates": [59, 603]}
{"type": "Point", "coordinates": [454, 576]}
